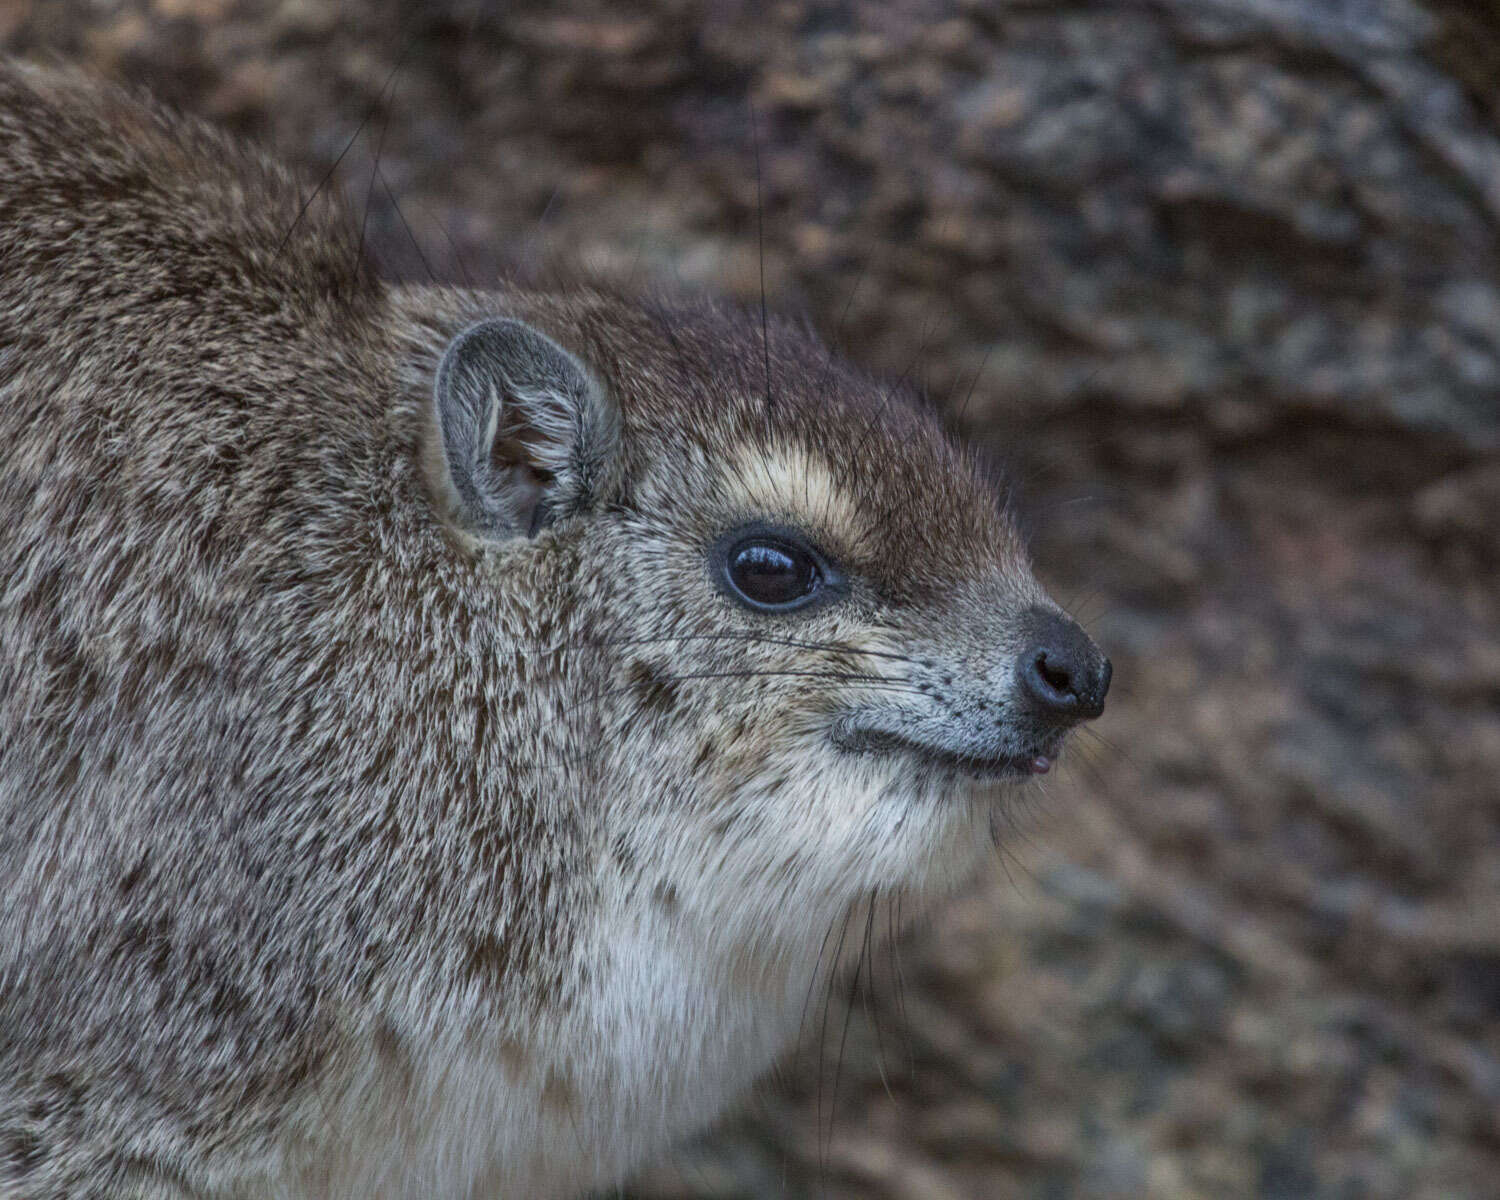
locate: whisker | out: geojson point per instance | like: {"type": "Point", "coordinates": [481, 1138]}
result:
{"type": "Point", "coordinates": [998, 842]}
{"type": "Point", "coordinates": [1004, 852]}
{"type": "Point", "coordinates": [415, 245]}
{"type": "Point", "coordinates": [538, 227]}
{"type": "Point", "coordinates": [893, 918]}
{"type": "Point", "coordinates": [828, 365]}
{"type": "Point", "coordinates": [838, 953]}
{"type": "Point", "coordinates": [328, 175]}
{"type": "Point", "coordinates": [838, 676]}
{"type": "Point", "coordinates": [1075, 608]}
{"type": "Point", "coordinates": [838, 1064]}
{"type": "Point", "coordinates": [364, 219]}
{"type": "Point", "coordinates": [958, 418]}
{"type": "Point", "coordinates": [879, 414]}
{"type": "Point", "coordinates": [796, 643]}
{"type": "Point", "coordinates": [1112, 746]}
{"type": "Point", "coordinates": [871, 1009]}
{"type": "Point", "coordinates": [458, 258]}
{"type": "Point", "coordinates": [607, 735]}
{"type": "Point", "coordinates": [817, 966]}
{"type": "Point", "coordinates": [558, 647]}
{"type": "Point", "coordinates": [760, 225]}
{"type": "Point", "coordinates": [1095, 776]}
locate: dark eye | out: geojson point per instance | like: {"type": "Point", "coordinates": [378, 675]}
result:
{"type": "Point", "coordinates": [772, 572]}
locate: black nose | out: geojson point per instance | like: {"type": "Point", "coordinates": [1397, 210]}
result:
{"type": "Point", "coordinates": [1062, 671]}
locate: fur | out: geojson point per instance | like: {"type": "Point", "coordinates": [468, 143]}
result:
{"type": "Point", "coordinates": [348, 849]}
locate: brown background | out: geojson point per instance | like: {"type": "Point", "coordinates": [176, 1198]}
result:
{"type": "Point", "coordinates": [1219, 281]}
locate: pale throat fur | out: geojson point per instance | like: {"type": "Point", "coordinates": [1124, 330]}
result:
{"type": "Point", "coordinates": [466, 714]}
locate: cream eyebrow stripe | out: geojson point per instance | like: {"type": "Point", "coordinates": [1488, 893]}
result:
{"type": "Point", "coordinates": [786, 479]}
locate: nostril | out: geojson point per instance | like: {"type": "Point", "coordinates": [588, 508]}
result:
{"type": "Point", "coordinates": [1055, 673]}
{"type": "Point", "coordinates": [1052, 679]}
{"type": "Point", "coordinates": [1062, 673]}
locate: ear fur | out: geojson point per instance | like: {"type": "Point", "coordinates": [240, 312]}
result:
{"type": "Point", "coordinates": [526, 434]}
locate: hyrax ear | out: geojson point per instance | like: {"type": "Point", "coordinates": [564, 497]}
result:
{"type": "Point", "coordinates": [527, 435]}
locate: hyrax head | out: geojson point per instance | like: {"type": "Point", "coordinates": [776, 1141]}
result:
{"type": "Point", "coordinates": [797, 616]}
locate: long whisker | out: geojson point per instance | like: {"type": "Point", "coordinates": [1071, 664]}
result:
{"type": "Point", "coordinates": [881, 409]}
{"type": "Point", "coordinates": [838, 953]}
{"type": "Point", "coordinates": [328, 175]}
{"type": "Point", "coordinates": [760, 228]}
{"type": "Point", "coordinates": [579, 644]}
{"type": "Point", "coordinates": [817, 967]}
{"type": "Point", "coordinates": [838, 676]}
{"type": "Point", "coordinates": [416, 245]}
{"type": "Point", "coordinates": [838, 1064]}
{"type": "Point", "coordinates": [607, 736]}
{"type": "Point", "coordinates": [958, 418]}
{"type": "Point", "coordinates": [893, 917]}
{"type": "Point", "coordinates": [1109, 745]}
{"type": "Point", "coordinates": [838, 334]}
{"type": "Point", "coordinates": [458, 258]}
{"type": "Point", "coordinates": [871, 1008]}
{"type": "Point", "coordinates": [1003, 852]}
{"type": "Point", "coordinates": [539, 226]}
{"type": "Point", "coordinates": [796, 643]}
{"type": "Point", "coordinates": [364, 218]}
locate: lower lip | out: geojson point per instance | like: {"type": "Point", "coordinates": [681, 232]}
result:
{"type": "Point", "coordinates": [1039, 764]}
{"type": "Point", "coordinates": [1036, 764]}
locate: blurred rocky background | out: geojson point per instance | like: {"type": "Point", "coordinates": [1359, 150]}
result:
{"type": "Point", "coordinates": [1218, 281]}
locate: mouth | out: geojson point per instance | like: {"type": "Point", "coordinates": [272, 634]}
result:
{"type": "Point", "coordinates": [974, 766]}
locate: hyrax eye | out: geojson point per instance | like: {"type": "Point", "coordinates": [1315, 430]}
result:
{"type": "Point", "coordinates": [772, 573]}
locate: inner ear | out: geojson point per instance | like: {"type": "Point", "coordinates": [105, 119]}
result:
{"type": "Point", "coordinates": [528, 436]}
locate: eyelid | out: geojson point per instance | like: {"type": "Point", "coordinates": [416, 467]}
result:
{"type": "Point", "coordinates": [832, 584]}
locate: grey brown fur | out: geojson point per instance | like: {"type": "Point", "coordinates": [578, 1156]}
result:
{"type": "Point", "coordinates": [367, 800]}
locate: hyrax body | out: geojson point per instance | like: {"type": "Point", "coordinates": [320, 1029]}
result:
{"type": "Point", "coordinates": [439, 729]}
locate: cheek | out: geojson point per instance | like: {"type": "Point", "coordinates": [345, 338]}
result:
{"type": "Point", "coordinates": [818, 801]}
{"type": "Point", "coordinates": [810, 817]}
{"type": "Point", "coordinates": [778, 787]}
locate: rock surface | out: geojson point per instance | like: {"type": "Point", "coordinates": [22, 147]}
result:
{"type": "Point", "coordinates": [1218, 281]}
